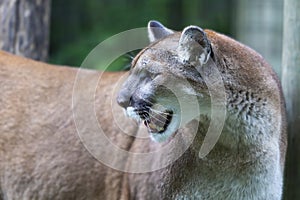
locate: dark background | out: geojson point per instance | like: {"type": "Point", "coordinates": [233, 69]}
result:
{"type": "Point", "coordinates": [78, 26]}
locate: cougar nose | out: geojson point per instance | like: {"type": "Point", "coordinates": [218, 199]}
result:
{"type": "Point", "coordinates": [123, 100]}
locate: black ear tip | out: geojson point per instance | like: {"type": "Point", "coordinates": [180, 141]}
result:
{"type": "Point", "coordinates": [154, 24]}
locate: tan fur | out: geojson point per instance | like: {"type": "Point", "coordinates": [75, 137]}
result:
{"type": "Point", "coordinates": [41, 156]}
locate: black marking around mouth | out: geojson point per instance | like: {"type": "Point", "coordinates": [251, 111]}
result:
{"type": "Point", "coordinates": [143, 112]}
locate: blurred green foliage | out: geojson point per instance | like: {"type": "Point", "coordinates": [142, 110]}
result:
{"type": "Point", "coordinates": [78, 26]}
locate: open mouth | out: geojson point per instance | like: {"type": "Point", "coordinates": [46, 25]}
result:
{"type": "Point", "coordinates": [156, 121]}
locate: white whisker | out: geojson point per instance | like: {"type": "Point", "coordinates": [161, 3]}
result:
{"type": "Point", "coordinates": [152, 116]}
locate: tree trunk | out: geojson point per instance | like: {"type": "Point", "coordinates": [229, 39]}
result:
{"type": "Point", "coordinates": [259, 25]}
{"type": "Point", "coordinates": [291, 87]}
{"type": "Point", "coordinates": [24, 27]}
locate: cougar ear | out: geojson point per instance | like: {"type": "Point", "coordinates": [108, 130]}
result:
{"type": "Point", "coordinates": [194, 47]}
{"type": "Point", "coordinates": [156, 31]}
